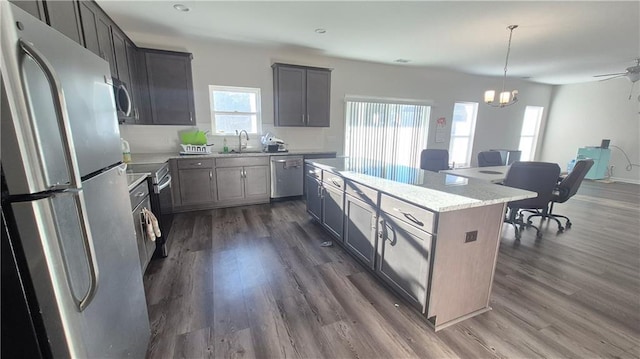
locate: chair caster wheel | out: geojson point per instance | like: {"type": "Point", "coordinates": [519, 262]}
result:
{"type": "Point", "coordinates": [529, 222]}
{"type": "Point", "coordinates": [561, 230]}
{"type": "Point", "coordinates": [538, 235]}
{"type": "Point", "coordinates": [568, 225]}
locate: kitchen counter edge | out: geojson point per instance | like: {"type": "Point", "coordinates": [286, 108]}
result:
{"type": "Point", "coordinates": [147, 158]}
{"type": "Point", "coordinates": [434, 199]}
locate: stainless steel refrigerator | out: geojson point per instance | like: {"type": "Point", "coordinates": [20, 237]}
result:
{"type": "Point", "coordinates": [65, 200]}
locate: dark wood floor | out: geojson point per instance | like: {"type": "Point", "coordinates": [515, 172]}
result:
{"type": "Point", "coordinates": [254, 282]}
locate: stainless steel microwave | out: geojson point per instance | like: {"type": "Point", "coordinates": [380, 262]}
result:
{"type": "Point", "coordinates": [124, 103]}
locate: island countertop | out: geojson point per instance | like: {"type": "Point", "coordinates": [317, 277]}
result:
{"type": "Point", "coordinates": [434, 191]}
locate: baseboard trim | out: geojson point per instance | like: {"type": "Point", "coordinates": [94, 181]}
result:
{"type": "Point", "coordinates": [625, 180]}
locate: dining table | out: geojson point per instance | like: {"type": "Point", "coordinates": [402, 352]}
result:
{"type": "Point", "coordinates": [494, 174]}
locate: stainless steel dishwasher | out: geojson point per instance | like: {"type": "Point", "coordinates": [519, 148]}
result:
{"type": "Point", "coordinates": [287, 176]}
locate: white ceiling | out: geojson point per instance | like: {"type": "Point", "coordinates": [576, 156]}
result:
{"type": "Point", "coordinates": [557, 42]}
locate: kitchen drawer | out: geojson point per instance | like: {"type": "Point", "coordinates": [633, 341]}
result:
{"type": "Point", "coordinates": [138, 194]}
{"type": "Point", "coordinates": [242, 161]}
{"type": "Point", "coordinates": [333, 180]}
{"type": "Point", "coordinates": [362, 192]}
{"type": "Point", "coordinates": [414, 215]}
{"type": "Point", "coordinates": [313, 171]}
{"type": "Point", "coordinates": [195, 163]}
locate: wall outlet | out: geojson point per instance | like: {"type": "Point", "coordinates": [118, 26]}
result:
{"type": "Point", "coordinates": [471, 236]}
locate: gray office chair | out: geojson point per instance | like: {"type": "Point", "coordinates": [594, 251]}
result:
{"type": "Point", "coordinates": [434, 160]}
{"type": "Point", "coordinates": [540, 177]}
{"type": "Point", "coordinates": [564, 190]}
{"type": "Point", "coordinates": [489, 158]}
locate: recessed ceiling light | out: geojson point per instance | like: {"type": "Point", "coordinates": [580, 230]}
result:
{"type": "Point", "coordinates": [320, 31]}
{"type": "Point", "coordinates": [181, 7]}
{"type": "Point", "coordinates": [402, 61]}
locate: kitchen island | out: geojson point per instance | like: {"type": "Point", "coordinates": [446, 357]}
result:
{"type": "Point", "coordinates": [432, 238]}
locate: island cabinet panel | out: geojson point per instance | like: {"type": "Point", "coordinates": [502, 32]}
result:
{"type": "Point", "coordinates": [360, 235]}
{"type": "Point", "coordinates": [404, 252]}
{"type": "Point", "coordinates": [332, 210]}
{"type": "Point", "coordinates": [463, 267]}
{"type": "Point", "coordinates": [312, 195]}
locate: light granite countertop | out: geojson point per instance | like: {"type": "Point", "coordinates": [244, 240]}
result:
{"type": "Point", "coordinates": [134, 179]}
{"type": "Point", "coordinates": [435, 191]}
{"type": "Point", "coordinates": [146, 158]}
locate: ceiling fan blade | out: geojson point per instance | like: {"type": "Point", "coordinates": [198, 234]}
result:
{"type": "Point", "coordinates": [614, 77]}
{"type": "Point", "coordinates": [619, 73]}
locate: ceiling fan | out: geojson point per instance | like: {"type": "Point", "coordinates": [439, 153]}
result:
{"type": "Point", "coordinates": [632, 73]}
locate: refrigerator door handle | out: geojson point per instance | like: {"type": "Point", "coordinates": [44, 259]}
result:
{"type": "Point", "coordinates": [89, 251]}
{"type": "Point", "coordinates": [61, 115]}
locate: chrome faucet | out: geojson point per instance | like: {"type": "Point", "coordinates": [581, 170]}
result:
{"type": "Point", "coordinates": [240, 139]}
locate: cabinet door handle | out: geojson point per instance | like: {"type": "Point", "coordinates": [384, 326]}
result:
{"type": "Point", "coordinates": [336, 182]}
{"type": "Point", "coordinates": [197, 164]}
{"type": "Point", "coordinates": [319, 190]}
{"type": "Point", "coordinates": [210, 175]}
{"type": "Point", "coordinates": [409, 216]}
{"type": "Point", "coordinates": [303, 118]}
{"type": "Point", "coordinates": [139, 194]}
{"type": "Point", "coordinates": [190, 116]}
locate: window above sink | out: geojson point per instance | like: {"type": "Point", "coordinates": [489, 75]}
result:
{"type": "Point", "coordinates": [235, 109]}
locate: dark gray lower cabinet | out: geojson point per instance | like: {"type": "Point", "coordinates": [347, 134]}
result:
{"type": "Point", "coordinates": [332, 210]}
{"type": "Point", "coordinates": [197, 186]}
{"type": "Point", "coordinates": [404, 253]}
{"type": "Point", "coordinates": [230, 186]}
{"type": "Point", "coordinates": [312, 195]}
{"type": "Point", "coordinates": [360, 229]}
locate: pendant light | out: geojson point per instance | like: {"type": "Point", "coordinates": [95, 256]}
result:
{"type": "Point", "coordinates": [505, 98]}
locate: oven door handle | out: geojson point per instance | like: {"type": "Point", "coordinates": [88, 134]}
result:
{"type": "Point", "coordinates": [166, 183]}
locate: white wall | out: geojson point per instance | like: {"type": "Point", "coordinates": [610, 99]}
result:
{"type": "Point", "coordinates": [218, 63]}
{"type": "Point", "coordinates": [584, 114]}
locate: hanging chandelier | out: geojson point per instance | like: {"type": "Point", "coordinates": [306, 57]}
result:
{"type": "Point", "coordinates": [506, 98]}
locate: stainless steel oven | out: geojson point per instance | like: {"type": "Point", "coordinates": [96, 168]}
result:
{"type": "Point", "coordinates": [161, 201]}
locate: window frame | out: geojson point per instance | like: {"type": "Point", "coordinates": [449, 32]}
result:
{"type": "Point", "coordinates": [470, 137]}
{"type": "Point", "coordinates": [535, 137]}
{"type": "Point", "coordinates": [239, 89]}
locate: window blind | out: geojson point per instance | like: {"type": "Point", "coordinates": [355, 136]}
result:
{"type": "Point", "coordinates": [386, 139]}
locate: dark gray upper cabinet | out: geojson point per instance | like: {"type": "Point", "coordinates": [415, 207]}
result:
{"type": "Point", "coordinates": [120, 52]}
{"type": "Point", "coordinates": [318, 97]}
{"type": "Point", "coordinates": [134, 84]}
{"type": "Point", "coordinates": [33, 7]}
{"type": "Point", "coordinates": [170, 87]}
{"type": "Point", "coordinates": [96, 27]}
{"type": "Point", "coordinates": [64, 16]}
{"type": "Point", "coordinates": [105, 43]}
{"type": "Point", "coordinates": [301, 95]}
{"type": "Point", "coordinates": [89, 27]}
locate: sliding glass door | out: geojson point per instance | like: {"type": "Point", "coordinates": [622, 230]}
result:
{"type": "Point", "coordinates": [384, 139]}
